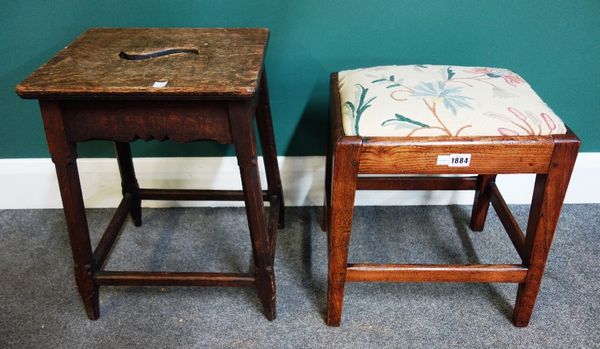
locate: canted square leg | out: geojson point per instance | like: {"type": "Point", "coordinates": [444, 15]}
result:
{"type": "Point", "coordinates": [262, 246]}
{"type": "Point", "coordinates": [345, 170]}
{"type": "Point", "coordinates": [64, 156]}
{"type": "Point", "coordinates": [327, 198]}
{"type": "Point", "coordinates": [129, 183]}
{"type": "Point", "coordinates": [264, 122]}
{"type": "Point", "coordinates": [481, 202]}
{"type": "Point", "coordinates": [548, 196]}
{"type": "Point", "coordinates": [328, 170]}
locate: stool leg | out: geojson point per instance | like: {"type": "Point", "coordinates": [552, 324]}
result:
{"type": "Point", "coordinates": [548, 195]}
{"type": "Point", "coordinates": [327, 199]}
{"type": "Point", "coordinates": [64, 156]}
{"type": "Point", "coordinates": [129, 183]}
{"type": "Point", "coordinates": [481, 202]}
{"type": "Point", "coordinates": [243, 138]}
{"type": "Point", "coordinates": [264, 122]}
{"type": "Point", "coordinates": [345, 169]}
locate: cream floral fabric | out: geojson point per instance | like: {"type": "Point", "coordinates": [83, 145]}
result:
{"type": "Point", "coordinates": [434, 100]}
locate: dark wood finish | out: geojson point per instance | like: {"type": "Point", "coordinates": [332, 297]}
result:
{"type": "Point", "coordinates": [352, 158]}
{"type": "Point", "coordinates": [147, 278]}
{"type": "Point", "coordinates": [328, 175]}
{"type": "Point", "coordinates": [508, 221]}
{"type": "Point", "coordinates": [228, 65]}
{"type": "Point", "coordinates": [112, 232]}
{"type": "Point", "coordinates": [335, 132]}
{"type": "Point", "coordinates": [127, 121]}
{"type": "Point", "coordinates": [267, 141]}
{"type": "Point", "coordinates": [274, 220]}
{"type": "Point", "coordinates": [90, 91]}
{"type": "Point", "coordinates": [64, 157]}
{"type": "Point", "coordinates": [435, 272]}
{"type": "Point", "coordinates": [245, 148]}
{"type": "Point", "coordinates": [129, 183]}
{"type": "Point", "coordinates": [481, 202]}
{"type": "Point", "coordinates": [335, 108]}
{"type": "Point", "coordinates": [416, 183]}
{"type": "Point", "coordinates": [194, 194]}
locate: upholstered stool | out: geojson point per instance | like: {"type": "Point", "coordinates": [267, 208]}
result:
{"type": "Point", "coordinates": [429, 120]}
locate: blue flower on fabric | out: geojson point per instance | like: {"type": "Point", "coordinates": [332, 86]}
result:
{"type": "Point", "coordinates": [450, 96]}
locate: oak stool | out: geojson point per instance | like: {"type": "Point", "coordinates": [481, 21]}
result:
{"type": "Point", "coordinates": [184, 85]}
{"type": "Point", "coordinates": [428, 120]}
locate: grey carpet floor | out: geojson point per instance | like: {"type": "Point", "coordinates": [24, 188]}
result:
{"type": "Point", "coordinates": [40, 307]}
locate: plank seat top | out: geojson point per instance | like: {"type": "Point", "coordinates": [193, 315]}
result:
{"type": "Point", "coordinates": [195, 63]}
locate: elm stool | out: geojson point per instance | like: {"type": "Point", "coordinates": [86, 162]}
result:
{"type": "Point", "coordinates": [428, 120]}
{"type": "Point", "coordinates": [184, 85]}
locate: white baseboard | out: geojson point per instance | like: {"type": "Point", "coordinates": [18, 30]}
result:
{"type": "Point", "coordinates": [31, 183]}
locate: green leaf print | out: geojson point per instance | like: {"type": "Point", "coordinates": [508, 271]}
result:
{"type": "Point", "coordinates": [350, 106]}
{"type": "Point", "coordinates": [358, 107]}
{"type": "Point", "coordinates": [402, 118]}
{"type": "Point", "coordinates": [450, 73]}
{"type": "Point", "coordinates": [390, 81]}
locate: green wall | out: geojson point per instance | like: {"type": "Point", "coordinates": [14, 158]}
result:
{"type": "Point", "coordinates": [554, 44]}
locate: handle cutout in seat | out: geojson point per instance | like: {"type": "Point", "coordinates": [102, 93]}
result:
{"type": "Point", "coordinates": [140, 56]}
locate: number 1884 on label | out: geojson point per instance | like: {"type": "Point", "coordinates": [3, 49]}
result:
{"type": "Point", "coordinates": [454, 160]}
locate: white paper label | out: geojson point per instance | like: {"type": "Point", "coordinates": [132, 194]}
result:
{"type": "Point", "coordinates": [160, 83]}
{"type": "Point", "coordinates": [454, 160]}
{"type": "Point", "coordinates": [443, 160]}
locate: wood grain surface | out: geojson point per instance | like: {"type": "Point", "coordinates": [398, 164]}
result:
{"type": "Point", "coordinates": [102, 87]}
{"type": "Point", "coordinates": [369, 272]}
{"type": "Point", "coordinates": [228, 64]}
{"type": "Point", "coordinates": [351, 160]}
{"type": "Point", "coordinates": [489, 155]}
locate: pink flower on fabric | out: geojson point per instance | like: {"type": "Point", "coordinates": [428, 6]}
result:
{"type": "Point", "coordinates": [548, 120]}
{"type": "Point", "coordinates": [528, 122]}
{"type": "Point", "coordinates": [511, 78]}
{"type": "Point", "coordinates": [507, 132]}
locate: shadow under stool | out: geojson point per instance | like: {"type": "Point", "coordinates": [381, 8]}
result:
{"type": "Point", "coordinates": [400, 127]}
{"type": "Point", "coordinates": [184, 85]}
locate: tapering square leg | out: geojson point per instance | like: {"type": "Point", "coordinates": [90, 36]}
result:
{"type": "Point", "coordinates": [548, 196]}
{"type": "Point", "coordinates": [264, 122]}
{"type": "Point", "coordinates": [240, 115]}
{"type": "Point", "coordinates": [481, 202]}
{"type": "Point", "coordinates": [64, 156]}
{"type": "Point", "coordinates": [327, 198]}
{"type": "Point", "coordinates": [129, 182]}
{"type": "Point", "coordinates": [345, 170]}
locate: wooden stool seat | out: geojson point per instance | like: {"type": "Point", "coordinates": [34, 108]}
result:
{"type": "Point", "coordinates": [431, 120]}
{"type": "Point", "coordinates": [184, 85]}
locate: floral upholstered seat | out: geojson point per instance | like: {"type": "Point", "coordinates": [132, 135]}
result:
{"type": "Point", "coordinates": [433, 100]}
